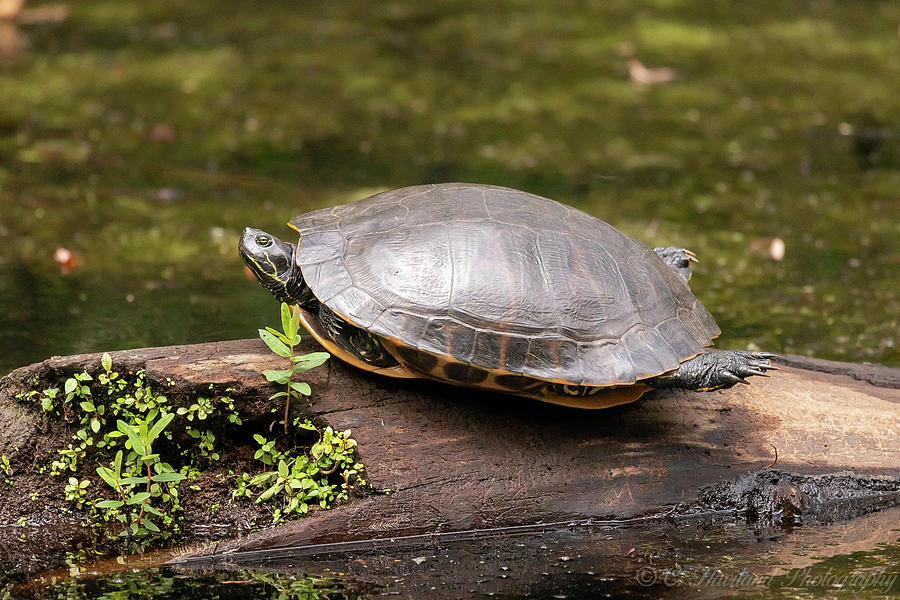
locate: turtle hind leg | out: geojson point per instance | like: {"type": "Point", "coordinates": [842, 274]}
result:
{"type": "Point", "coordinates": [358, 342]}
{"type": "Point", "coordinates": [679, 259]}
{"type": "Point", "coordinates": [715, 370]}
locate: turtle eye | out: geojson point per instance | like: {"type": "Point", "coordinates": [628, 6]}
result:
{"type": "Point", "coordinates": [264, 241]}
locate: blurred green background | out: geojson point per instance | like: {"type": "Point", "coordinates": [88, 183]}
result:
{"type": "Point", "coordinates": [143, 136]}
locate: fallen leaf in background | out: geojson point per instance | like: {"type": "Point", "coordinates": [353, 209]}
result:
{"type": "Point", "coordinates": [641, 74]}
{"type": "Point", "coordinates": [66, 259]}
{"type": "Point", "coordinates": [773, 247]}
{"type": "Point", "coordinates": [164, 133]}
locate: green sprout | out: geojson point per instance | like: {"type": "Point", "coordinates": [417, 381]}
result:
{"type": "Point", "coordinates": [141, 436]}
{"type": "Point", "coordinates": [283, 344]}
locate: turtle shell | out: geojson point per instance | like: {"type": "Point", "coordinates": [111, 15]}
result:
{"type": "Point", "coordinates": [503, 280]}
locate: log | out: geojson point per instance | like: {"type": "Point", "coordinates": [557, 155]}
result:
{"type": "Point", "coordinates": [457, 459]}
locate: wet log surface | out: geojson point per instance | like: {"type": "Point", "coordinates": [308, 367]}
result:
{"type": "Point", "coordinates": [457, 459]}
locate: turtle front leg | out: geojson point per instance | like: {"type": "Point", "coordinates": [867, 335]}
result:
{"type": "Point", "coordinates": [715, 370]}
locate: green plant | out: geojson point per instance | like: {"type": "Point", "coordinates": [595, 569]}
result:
{"type": "Point", "coordinates": [124, 432]}
{"type": "Point", "coordinates": [91, 417]}
{"type": "Point", "coordinates": [6, 468]}
{"type": "Point", "coordinates": [76, 491]}
{"type": "Point", "coordinates": [146, 486]}
{"type": "Point", "coordinates": [283, 343]}
{"type": "Point", "coordinates": [137, 490]}
{"type": "Point", "coordinates": [298, 480]}
{"type": "Point", "coordinates": [200, 410]}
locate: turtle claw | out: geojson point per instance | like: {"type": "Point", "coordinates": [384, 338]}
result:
{"type": "Point", "coordinates": [735, 378]}
{"type": "Point", "coordinates": [691, 256]}
{"type": "Point", "coordinates": [717, 370]}
{"type": "Point", "coordinates": [741, 365]}
{"type": "Point", "coordinates": [757, 372]}
{"type": "Point", "coordinates": [756, 367]}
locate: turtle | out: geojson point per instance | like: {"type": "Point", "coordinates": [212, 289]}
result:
{"type": "Point", "coordinates": [489, 287]}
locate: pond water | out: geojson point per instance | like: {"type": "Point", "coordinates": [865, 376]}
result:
{"type": "Point", "coordinates": [137, 139]}
{"type": "Point", "coordinates": [143, 137]}
{"type": "Point", "coordinates": [707, 557]}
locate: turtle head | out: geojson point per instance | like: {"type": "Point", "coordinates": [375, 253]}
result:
{"type": "Point", "coordinates": [273, 263]}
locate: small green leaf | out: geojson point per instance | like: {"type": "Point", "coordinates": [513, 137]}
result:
{"type": "Point", "coordinates": [269, 492]}
{"type": "Point", "coordinates": [108, 476]}
{"type": "Point", "coordinates": [138, 498]}
{"type": "Point", "coordinates": [106, 361]}
{"type": "Point", "coordinates": [317, 357]}
{"type": "Point", "coordinates": [277, 375]}
{"type": "Point", "coordinates": [259, 439]}
{"type": "Point", "coordinates": [295, 325]}
{"type": "Point", "coordinates": [277, 395]}
{"type": "Point", "coordinates": [282, 469]}
{"type": "Point", "coordinates": [137, 443]}
{"type": "Point", "coordinates": [163, 477]}
{"type": "Point", "coordinates": [286, 320]}
{"type": "Point", "coordinates": [309, 361]}
{"type": "Point", "coordinates": [279, 335]}
{"type": "Point", "coordinates": [109, 504]}
{"type": "Point", "coordinates": [262, 477]}
{"type": "Point", "coordinates": [301, 387]}
{"type": "Point", "coordinates": [154, 511]}
{"type": "Point", "coordinates": [159, 426]}
{"type": "Point", "coordinates": [88, 406]}
{"type": "Point", "coordinates": [71, 384]}
{"type": "Point", "coordinates": [95, 425]}
{"type": "Point", "coordinates": [149, 525]}
{"type": "Point", "coordinates": [133, 480]}
{"type": "Point", "coordinates": [274, 344]}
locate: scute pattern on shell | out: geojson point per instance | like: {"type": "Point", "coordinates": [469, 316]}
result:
{"type": "Point", "coordinates": [504, 280]}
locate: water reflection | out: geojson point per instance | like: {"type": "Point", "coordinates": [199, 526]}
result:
{"type": "Point", "coordinates": [712, 557]}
